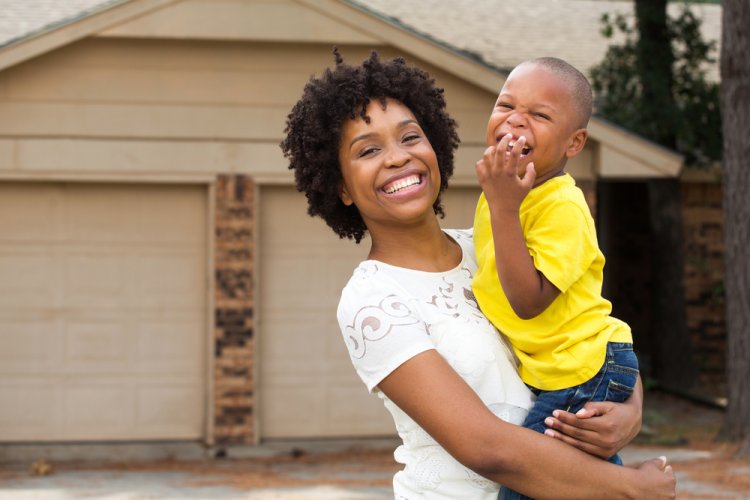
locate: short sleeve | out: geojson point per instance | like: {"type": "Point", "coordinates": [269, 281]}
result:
{"type": "Point", "coordinates": [381, 327]}
{"type": "Point", "coordinates": [562, 243]}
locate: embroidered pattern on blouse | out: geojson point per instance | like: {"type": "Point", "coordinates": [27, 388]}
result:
{"type": "Point", "coordinates": [372, 323]}
{"type": "Point", "coordinates": [456, 300]}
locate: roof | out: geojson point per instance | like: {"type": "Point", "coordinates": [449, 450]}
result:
{"type": "Point", "coordinates": [474, 28]}
{"type": "Point", "coordinates": [21, 19]}
{"type": "Point", "coordinates": [501, 34]}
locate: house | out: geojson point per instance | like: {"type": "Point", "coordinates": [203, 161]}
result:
{"type": "Point", "coordinates": [160, 277]}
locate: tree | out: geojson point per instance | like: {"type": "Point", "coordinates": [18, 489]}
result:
{"type": "Point", "coordinates": [655, 85]}
{"type": "Point", "coordinates": [735, 104]}
{"type": "Point", "coordinates": [661, 60]}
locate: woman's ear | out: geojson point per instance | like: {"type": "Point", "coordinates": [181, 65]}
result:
{"type": "Point", "coordinates": [577, 142]}
{"type": "Point", "coordinates": [344, 195]}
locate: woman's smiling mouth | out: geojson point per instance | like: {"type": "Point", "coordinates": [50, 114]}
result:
{"type": "Point", "coordinates": [401, 184]}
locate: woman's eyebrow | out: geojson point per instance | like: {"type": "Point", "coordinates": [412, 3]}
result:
{"type": "Point", "coordinates": [361, 138]}
{"type": "Point", "coordinates": [368, 135]}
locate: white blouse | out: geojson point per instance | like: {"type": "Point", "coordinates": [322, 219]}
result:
{"type": "Point", "coordinates": [389, 314]}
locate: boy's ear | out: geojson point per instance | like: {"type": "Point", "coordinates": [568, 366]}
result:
{"type": "Point", "coordinates": [344, 195]}
{"type": "Point", "coordinates": [577, 142]}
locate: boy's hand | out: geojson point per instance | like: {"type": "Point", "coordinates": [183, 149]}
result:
{"type": "Point", "coordinates": [504, 175]}
{"type": "Point", "coordinates": [601, 428]}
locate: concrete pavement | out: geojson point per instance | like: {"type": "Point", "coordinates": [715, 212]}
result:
{"type": "Point", "coordinates": [331, 470]}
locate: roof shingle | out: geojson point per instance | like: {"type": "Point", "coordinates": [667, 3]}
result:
{"type": "Point", "coordinates": [505, 33]}
{"type": "Point", "coordinates": [23, 18]}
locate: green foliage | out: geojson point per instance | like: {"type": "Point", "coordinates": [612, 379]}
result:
{"type": "Point", "coordinates": [619, 95]}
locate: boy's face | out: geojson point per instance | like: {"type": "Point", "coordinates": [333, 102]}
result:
{"type": "Point", "coordinates": [536, 104]}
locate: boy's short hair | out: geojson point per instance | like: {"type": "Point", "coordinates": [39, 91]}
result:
{"type": "Point", "coordinates": [313, 130]}
{"type": "Point", "coordinates": [580, 88]}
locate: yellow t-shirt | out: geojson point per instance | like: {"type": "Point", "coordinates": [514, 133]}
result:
{"type": "Point", "coordinates": [565, 345]}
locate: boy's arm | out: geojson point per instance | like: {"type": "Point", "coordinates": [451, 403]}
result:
{"type": "Point", "coordinates": [528, 291]}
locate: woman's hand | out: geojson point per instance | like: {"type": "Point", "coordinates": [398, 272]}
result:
{"type": "Point", "coordinates": [601, 428]}
{"type": "Point", "coordinates": [656, 478]}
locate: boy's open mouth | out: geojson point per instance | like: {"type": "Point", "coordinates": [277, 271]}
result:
{"type": "Point", "coordinates": [526, 150]}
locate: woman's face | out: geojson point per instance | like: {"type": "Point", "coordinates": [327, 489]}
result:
{"type": "Point", "coordinates": [390, 171]}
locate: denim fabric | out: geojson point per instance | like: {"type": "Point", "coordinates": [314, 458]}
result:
{"type": "Point", "coordinates": [614, 382]}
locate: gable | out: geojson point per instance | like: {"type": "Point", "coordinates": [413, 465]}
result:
{"type": "Point", "coordinates": [328, 22]}
{"type": "Point", "coordinates": [247, 20]}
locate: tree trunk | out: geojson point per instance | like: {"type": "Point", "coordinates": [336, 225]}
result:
{"type": "Point", "coordinates": [735, 103]}
{"type": "Point", "coordinates": [655, 61]}
{"type": "Point", "coordinates": [673, 364]}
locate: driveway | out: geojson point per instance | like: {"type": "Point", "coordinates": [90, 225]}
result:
{"type": "Point", "coordinates": [330, 470]}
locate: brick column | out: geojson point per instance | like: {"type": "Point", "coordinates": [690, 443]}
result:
{"type": "Point", "coordinates": [234, 303]}
{"type": "Point", "coordinates": [703, 230]}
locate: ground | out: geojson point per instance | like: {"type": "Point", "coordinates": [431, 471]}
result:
{"type": "Point", "coordinates": [680, 429]}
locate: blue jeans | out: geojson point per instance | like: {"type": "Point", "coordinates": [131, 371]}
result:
{"type": "Point", "coordinates": [614, 382]}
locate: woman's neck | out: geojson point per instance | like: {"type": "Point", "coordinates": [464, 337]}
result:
{"type": "Point", "coordinates": [424, 249]}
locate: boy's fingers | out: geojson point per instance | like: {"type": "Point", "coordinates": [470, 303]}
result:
{"type": "Point", "coordinates": [530, 176]}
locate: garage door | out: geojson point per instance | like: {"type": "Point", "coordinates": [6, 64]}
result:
{"type": "Point", "coordinates": [308, 387]}
{"type": "Point", "coordinates": [102, 312]}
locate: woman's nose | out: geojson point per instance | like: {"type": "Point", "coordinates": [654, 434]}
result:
{"type": "Point", "coordinates": [397, 156]}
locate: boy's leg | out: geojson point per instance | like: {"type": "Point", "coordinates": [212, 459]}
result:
{"type": "Point", "coordinates": [614, 382]}
{"type": "Point", "coordinates": [619, 378]}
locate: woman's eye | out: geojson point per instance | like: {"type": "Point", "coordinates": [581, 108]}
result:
{"type": "Point", "coordinates": [411, 137]}
{"type": "Point", "coordinates": [367, 151]}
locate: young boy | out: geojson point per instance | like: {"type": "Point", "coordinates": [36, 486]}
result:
{"type": "Point", "coordinates": [540, 268]}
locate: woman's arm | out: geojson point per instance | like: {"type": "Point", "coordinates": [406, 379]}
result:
{"type": "Point", "coordinates": [432, 394]}
{"type": "Point", "coordinates": [601, 428]}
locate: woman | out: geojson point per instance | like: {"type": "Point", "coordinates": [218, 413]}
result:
{"type": "Point", "coordinates": [372, 149]}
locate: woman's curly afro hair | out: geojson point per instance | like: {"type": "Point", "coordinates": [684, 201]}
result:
{"type": "Point", "coordinates": [313, 130]}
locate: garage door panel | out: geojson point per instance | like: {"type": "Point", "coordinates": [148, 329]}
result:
{"type": "Point", "coordinates": [357, 417]}
{"type": "Point", "coordinates": [304, 280]}
{"type": "Point", "coordinates": [156, 347]}
{"type": "Point", "coordinates": [30, 213]}
{"type": "Point", "coordinates": [25, 278]}
{"type": "Point", "coordinates": [306, 351]}
{"type": "Point", "coordinates": [98, 408]}
{"type": "Point", "coordinates": [102, 319]}
{"type": "Point", "coordinates": [160, 408]}
{"type": "Point", "coordinates": [170, 279]}
{"type": "Point", "coordinates": [96, 345]}
{"type": "Point", "coordinates": [102, 214]}
{"type": "Point", "coordinates": [96, 279]}
{"type": "Point", "coordinates": [28, 406]}
{"type": "Point", "coordinates": [25, 345]}
{"type": "Point", "coordinates": [290, 407]}
{"type": "Point", "coordinates": [170, 217]}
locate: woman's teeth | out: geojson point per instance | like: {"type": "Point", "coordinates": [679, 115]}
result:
{"type": "Point", "coordinates": [402, 184]}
